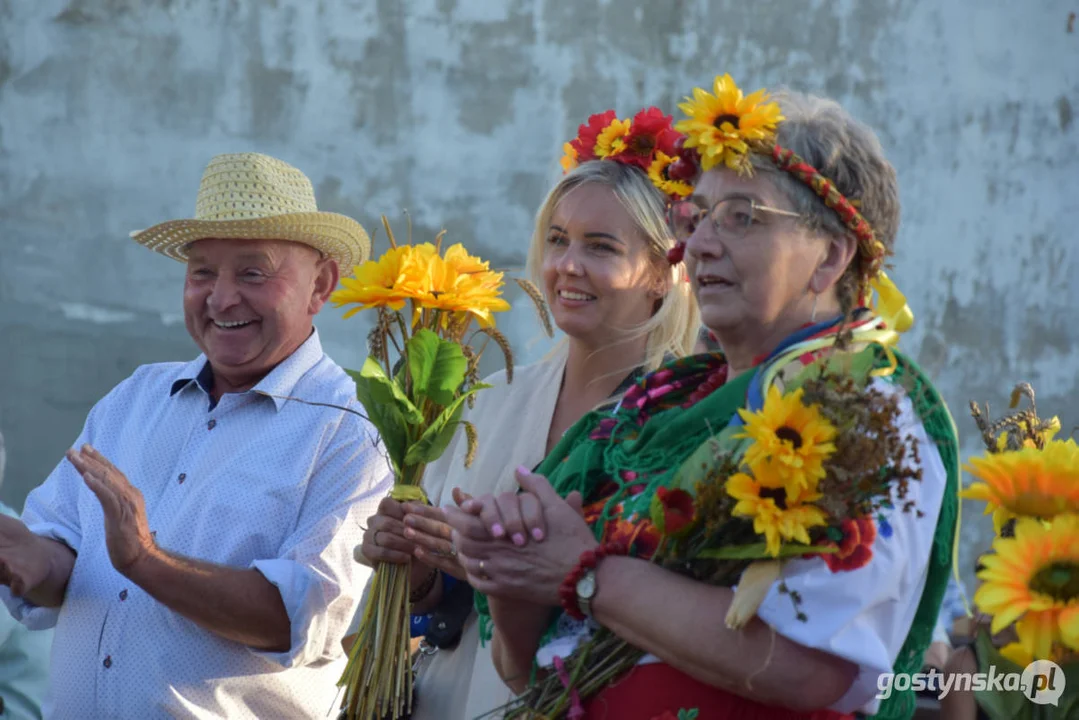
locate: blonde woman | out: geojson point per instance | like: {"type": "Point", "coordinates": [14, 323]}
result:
{"type": "Point", "coordinates": [599, 252]}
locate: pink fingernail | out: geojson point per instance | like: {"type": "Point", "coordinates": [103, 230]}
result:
{"type": "Point", "coordinates": [523, 470]}
{"type": "Point", "coordinates": [518, 539]}
{"type": "Point", "coordinates": [537, 533]}
{"type": "Point", "coordinates": [498, 530]}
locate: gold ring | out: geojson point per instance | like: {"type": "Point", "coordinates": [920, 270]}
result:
{"type": "Point", "coordinates": [483, 572]}
{"type": "Point", "coordinates": [374, 538]}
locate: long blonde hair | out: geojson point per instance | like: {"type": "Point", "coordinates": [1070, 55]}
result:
{"type": "Point", "coordinates": [673, 328]}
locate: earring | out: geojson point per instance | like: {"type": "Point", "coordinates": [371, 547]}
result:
{"type": "Point", "coordinates": [813, 314]}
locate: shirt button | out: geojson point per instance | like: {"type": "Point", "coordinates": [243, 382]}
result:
{"type": "Point", "coordinates": [107, 662]}
{"type": "Point", "coordinates": [212, 424]}
{"type": "Point", "coordinates": [183, 476]}
{"type": "Point", "coordinates": [123, 595]}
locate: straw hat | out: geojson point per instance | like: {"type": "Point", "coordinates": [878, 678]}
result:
{"type": "Point", "coordinates": [257, 197]}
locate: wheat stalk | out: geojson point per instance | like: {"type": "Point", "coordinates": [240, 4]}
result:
{"type": "Point", "coordinates": [536, 296]}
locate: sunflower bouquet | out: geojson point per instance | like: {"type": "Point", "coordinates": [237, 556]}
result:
{"type": "Point", "coordinates": [421, 372]}
{"type": "Point", "coordinates": [1029, 482]}
{"type": "Point", "coordinates": [809, 474]}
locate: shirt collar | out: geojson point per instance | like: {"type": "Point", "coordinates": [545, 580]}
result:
{"type": "Point", "coordinates": [277, 385]}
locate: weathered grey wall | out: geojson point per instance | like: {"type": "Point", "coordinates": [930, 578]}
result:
{"type": "Point", "coordinates": [456, 110]}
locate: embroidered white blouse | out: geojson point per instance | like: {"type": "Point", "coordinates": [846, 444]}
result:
{"type": "Point", "coordinates": [862, 615]}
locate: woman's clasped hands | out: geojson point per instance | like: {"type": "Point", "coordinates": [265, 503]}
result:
{"type": "Point", "coordinates": [520, 545]}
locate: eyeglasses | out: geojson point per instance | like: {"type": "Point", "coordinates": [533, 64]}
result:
{"type": "Point", "coordinates": [731, 217]}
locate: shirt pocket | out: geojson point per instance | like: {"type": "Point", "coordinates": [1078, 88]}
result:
{"type": "Point", "coordinates": [245, 516]}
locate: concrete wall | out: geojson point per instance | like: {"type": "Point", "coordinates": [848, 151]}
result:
{"type": "Point", "coordinates": [456, 110]}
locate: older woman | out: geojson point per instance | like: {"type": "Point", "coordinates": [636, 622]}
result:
{"type": "Point", "coordinates": [599, 251]}
{"type": "Point", "coordinates": [784, 238]}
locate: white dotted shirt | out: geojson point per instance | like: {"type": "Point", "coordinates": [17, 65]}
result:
{"type": "Point", "coordinates": [255, 482]}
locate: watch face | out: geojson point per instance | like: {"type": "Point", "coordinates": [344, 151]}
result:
{"type": "Point", "coordinates": [586, 586]}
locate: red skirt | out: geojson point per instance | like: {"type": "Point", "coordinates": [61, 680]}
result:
{"type": "Point", "coordinates": [649, 691]}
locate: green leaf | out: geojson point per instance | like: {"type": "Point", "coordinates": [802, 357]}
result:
{"type": "Point", "coordinates": [434, 440]}
{"type": "Point", "coordinates": [856, 365]}
{"type": "Point", "coordinates": [1011, 705]}
{"type": "Point", "coordinates": [655, 512]}
{"type": "Point", "coordinates": [438, 367]}
{"type": "Point", "coordinates": [385, 391]}
{"type": "Point", "coordinates": [759, 551]}
{"type": "Point", "coordinates": [387, 419]}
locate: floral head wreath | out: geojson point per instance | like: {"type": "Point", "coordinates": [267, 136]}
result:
{"type": "Point", "coordinates": [648, 141]}
{"type": "Point", "coordinates": [724, 127]}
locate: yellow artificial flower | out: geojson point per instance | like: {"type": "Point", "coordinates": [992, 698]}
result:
{"type": "Point", "coordinates": [1028, 482]}
{"type": "Point", "coordinates": [479, 294]}
{"type": "Point", "coordinates": [457, 283]}
{"type": "Point", "coordinates": [423, 252]}
{"type": "Point", "coordinates": [657, 173]}
{"type": "Point", "coordinates": [445, 287]}
{"type": "Point", "coordinates": [1047, 436]}
{"type": "Point", "coordinates": [611, 139]}
{"type": "Point", "coordinates": [1032, 580]}
{"type": "Point", "coordinates": [779, 512]}
{"type": "Point", "coordinates": [1017, 654]}
{"type": "Point", "coordinates": [790, 440]}
{"type": "Point", "coordinates": [569, 159]}
{"type": "Point", "coordinates": [459, 259]}
{"type": "Point", "coordinates": [389, 281]}
{"type": "Point", "coordinates": [721, 124]}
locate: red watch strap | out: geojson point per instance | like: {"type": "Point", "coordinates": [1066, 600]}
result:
{"type": "Point", "coordinates": [589, 560]}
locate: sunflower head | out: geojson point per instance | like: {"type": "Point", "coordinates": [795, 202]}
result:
{"type": "Point", "coordinates": [1028, 482]}
{"type": "Point", "coordinates": [790, 440]}
{"type": "Point", "coordinates": [724, 124]}
{"type": "Point", "coordinates": [1032, 580]}
{"type": "Point", "coordinates": [780, 511]}
{"type": "Point", "coordinates": [659, 172]}
{"type": "Point", "coordinates": [611, 139]}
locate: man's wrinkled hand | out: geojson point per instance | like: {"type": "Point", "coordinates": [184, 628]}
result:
{"type": "Point", "coordinates": [127, 531]}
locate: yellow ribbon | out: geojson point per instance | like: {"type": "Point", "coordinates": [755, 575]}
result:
{"type": "Point", "coordinates": [890, 304]}
{"type": "Point", "coordinates": [868, 336]}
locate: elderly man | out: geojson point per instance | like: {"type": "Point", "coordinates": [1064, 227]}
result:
{"type": "Point", "coordinates": [194, 550]}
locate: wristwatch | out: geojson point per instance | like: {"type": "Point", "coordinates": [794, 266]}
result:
{"type": "Point", "coordinates": [586, 591]}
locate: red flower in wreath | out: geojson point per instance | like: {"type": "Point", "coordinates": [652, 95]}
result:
{"type": "Point", "coordinates": [650, 131]}
{"type": "Point", "coordinates": [588, 135]}
{"type": "Point", "coordinates": [856, 547]}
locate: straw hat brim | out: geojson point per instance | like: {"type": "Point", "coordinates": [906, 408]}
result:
{"type": "Point", "coordinates": [338, 236]}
